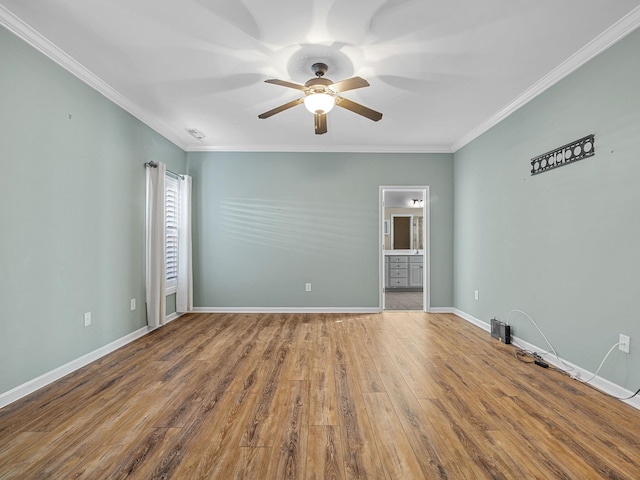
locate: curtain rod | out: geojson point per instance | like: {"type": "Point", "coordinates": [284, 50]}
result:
{"type": "Point", "coordinates": [155, 165]}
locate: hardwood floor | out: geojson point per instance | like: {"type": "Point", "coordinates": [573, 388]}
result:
{"type": "Point", "coordinates": [400, 395]}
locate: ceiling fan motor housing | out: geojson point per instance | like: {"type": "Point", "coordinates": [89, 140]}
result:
{"type": "Point", "coordinates": [319, 69]}
{"type": "Point", "coordinates": [318, 85]}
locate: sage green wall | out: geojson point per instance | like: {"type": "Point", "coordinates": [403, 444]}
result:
{"type": "Point", "coordinates": [563, 245]}
{"type": "Point", "coordinates": [264, 224]}
{"type": "Point", "coordinates": [72, 214]}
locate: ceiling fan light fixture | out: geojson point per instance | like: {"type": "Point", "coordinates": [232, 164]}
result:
{"type": "Point", "coordinates": [319, 102]}
{"type": "Point", "coordinates": [321, 95]}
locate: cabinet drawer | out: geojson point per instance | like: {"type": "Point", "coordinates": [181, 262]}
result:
{"type": "Point", "coordinates": [415, 259]}
{"type": "Point", "coordinates": [398, 265]}
{"type": "Point", "coordinates": [398, 272]}
{"type": "Point", "coordinates": [400, 259]}
{"type": "Point", "coordinates": [398, 282]}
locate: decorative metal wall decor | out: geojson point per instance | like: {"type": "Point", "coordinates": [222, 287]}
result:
{"type": "Point", "coordinates": [569, 153]}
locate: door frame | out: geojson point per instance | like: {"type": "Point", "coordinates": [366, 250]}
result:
{"type": "Point", "coordinates": [426, 235]}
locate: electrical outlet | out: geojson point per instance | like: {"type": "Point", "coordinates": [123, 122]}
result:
{"type": "Point", "coordinates": [307, 287]}
{"type": "Point", "coordinates": [477, 295]}
{"type": "Point", "coordinates": [87, 319]}
{"type": "Point", "coordinates": [624, 343]}
{"type": "Point", "coordinates": [133, 304]}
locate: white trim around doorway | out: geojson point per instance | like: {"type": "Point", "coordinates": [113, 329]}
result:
{"type": "Point", "coordinates": [426, 271]}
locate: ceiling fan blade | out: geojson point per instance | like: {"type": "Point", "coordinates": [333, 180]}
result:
{"type": "Point", "coordinates": [357, 108]}
{"type": "Point", "coordinates": [281, 108]}
{"type": "Point", "coordinates": [321, 123]}
{"type": "Point", "coordinates": [284, 83]}
{"type": "Point", "coordinates": [349, 84]}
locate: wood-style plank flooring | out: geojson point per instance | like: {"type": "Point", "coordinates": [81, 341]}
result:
{"type": "Point", "coordinates": [399, 395]}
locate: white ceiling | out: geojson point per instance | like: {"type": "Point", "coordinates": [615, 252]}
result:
{"type": "Point", "coordinates": [441, 71]}
{"type": "Point", "coordinates": [402, 198]}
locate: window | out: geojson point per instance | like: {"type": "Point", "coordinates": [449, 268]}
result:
{"type": "Point", "coordinates": [171, 203]}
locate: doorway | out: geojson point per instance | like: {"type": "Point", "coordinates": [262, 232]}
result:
{"type": "Point", "coordinates": [404, 248]}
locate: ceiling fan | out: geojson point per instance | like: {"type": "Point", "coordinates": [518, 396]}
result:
{"type": "Point", "coordinates": [321, 94]}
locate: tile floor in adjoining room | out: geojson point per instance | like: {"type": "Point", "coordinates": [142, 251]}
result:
{"type": "Point", "coordinates": [403, 301]}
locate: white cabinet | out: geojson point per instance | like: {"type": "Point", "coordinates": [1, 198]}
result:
{"type": "Point", "coordinates": [415, 271]}
{"type": "Point", "coordinates": [402, 271]}
{"type": "Point", "coordinates": [398, 271]}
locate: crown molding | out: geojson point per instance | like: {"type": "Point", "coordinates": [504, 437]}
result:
{"type": "Point", "coordinates": [616, 32]}
{"type": "Point", "coordinates": [24, 31]}
{"type": "Point", "coordinates": [609, 37]}
{"type": "Point", "coordinates": [322, 148]}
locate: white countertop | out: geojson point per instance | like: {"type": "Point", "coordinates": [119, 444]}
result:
{"type": "Point", "coordinates": [404, 252]}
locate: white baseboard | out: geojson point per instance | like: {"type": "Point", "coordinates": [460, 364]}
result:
{"type": "Point", "coordinates": [478, 323]}
{"type": "Point", "coordinates": [171, 317]}
{"type": "Point", "coordinates": [32, 385]}
{"type": "Point", "coordinates": [599, 383]}
{"type": "Point", "coordinates": [304, 310]}
{"type": "Point", "coordinates": [441, 310]}
{"type": "Point", "coordinates": [286, 310]}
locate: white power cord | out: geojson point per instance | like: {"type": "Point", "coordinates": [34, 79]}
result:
{"type": "Point", "coordinates": [601, 364]}
{"type": "Point", "coordinates": [568, 368]}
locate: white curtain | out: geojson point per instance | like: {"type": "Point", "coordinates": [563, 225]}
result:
{"type": "Point", "coordinates": [184, 294]}
{"type": "Point", "coordinates": [156, 262]}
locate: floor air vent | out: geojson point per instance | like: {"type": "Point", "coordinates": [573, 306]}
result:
{"type": "Point", "coordinates": [501, 331]}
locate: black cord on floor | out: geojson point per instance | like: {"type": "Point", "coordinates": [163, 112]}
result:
{"type": "Point", "coordinates": [527, 356]}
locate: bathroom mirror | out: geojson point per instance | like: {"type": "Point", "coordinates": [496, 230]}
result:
{"type": "Point", "coordinates": [406, 232]}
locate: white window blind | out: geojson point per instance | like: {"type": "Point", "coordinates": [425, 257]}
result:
{"type": "Point", "coordinates": [171, 202]}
